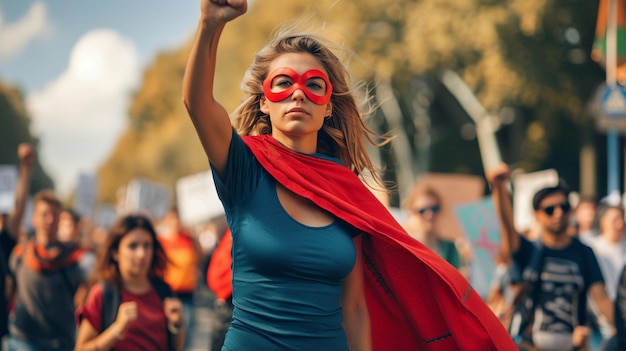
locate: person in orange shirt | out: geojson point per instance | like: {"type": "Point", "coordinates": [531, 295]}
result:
{"type": "Point", "coordinates": [219, 279]}
{"type": "Point", "coordinates": [182, 270]}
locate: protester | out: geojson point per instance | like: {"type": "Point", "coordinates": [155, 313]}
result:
{"type": "Point", "coordinates": [319, 263]}
{"type": "Point", "coordinates": [183, 262]}
{"type": "Point", "coordinates": [585, 219]}
{"type": "Point", "coordinates": [69, 233]}
{"type": "Point", "coordinates": [10, 228]}
{"type": "Point", "coordinates": [149, 317]}
{"type": "Point", "coordinates": [424, 205]}
{"type": "Point", "coordinates": [618, 341]}
{"type": "Point", "coordinates": [609, 247]}
{"type": "Point", "coordinates": [502, 291]}
{"type": "Point", "coordinates": [209, 235]}
{"type": "Point", "coordinates": [219, 279]}
{"type": "Point", "coordinates": [558, 270]}
{"type": "Point", "coordinates": [48, 277]}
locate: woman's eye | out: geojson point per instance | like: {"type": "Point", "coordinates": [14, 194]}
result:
{"type": "Point", "coordinates": [314, 86]}
{"type": "Point", "coordinates": [283, 83]}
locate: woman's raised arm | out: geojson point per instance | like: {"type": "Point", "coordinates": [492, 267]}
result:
{"type": "Point", "coordinates": [209, 117]}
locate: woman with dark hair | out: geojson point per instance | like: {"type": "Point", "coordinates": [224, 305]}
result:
{"type": "Point", "coordinates": [131, 263]}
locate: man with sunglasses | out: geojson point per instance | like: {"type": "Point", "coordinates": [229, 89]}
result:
{"type": "Point", "coordinates": [557, 271]}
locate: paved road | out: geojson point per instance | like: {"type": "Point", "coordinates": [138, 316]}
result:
{"type": "Point", "coordinates": [200, 340]}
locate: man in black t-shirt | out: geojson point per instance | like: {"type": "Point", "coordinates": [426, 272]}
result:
{"type": "Point", "coordinates": [558, 271]}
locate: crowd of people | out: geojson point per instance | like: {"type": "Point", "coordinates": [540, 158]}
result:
{"type": "Point", "coordinates": [308, 258]}
{"type": "Point", "coordinates": [133, 290]}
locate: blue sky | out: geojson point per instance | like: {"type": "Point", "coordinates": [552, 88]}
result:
{"type": "Point", "coordinates": [77, 63]}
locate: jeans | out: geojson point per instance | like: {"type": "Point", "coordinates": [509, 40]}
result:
{"type": "Point", "coordinates": [221, 322]}
{"type": "Point", "coordinates": [188, 316]}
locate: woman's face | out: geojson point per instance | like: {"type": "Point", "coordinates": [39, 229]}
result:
{"type": "Point", "coordinates": [612, 221]}
{"type": "Point", "coordinates": [301, 113]}
{"type": "Point", "coordinates": [134, 254]}
{"type": "Point", "coordinates": [424, 211]}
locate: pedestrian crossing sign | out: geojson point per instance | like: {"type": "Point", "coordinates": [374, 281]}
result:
{"type": "Point", "coordinates": [613, 101]}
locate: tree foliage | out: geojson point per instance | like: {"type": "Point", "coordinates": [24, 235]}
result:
{"type": "Point", "coordinates": [526, 56]}
{"type": "Point", "coordinates": [160, 143]}
{"type": "Point", "coordinates": [14, 129]}
{"type": "Point", "coordinates": [529, 56]}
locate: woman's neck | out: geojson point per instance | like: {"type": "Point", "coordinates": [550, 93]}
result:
{"type": "Point", "coordinates": [136, 285]}
{"type": "Point", "coordinates": [304, 144]}
{"type": "Point", "coordinates": [44, 239]}
{"type": "Point", "coordinates": [427, 238]}
{"type": "Point", "coordinates": [613, 236]}
{"type": "Point", "coordinates": [556, 240]}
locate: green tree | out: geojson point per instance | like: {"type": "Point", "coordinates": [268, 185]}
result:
{"type": "Point", "coordinates": [527, 58]}
{"type": "Point", "coordinates": [531, 57]}
{"type": "Point", "coordinates": [159, 143]}
{"type": "Point", "coordinates": [14, 129]}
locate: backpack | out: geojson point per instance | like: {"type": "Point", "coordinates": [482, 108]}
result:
{"type": "Point", "coordinates": [523, 315]}
{"type": "Point", "coordinates": [524, 302]}
{"type": "Point", "coordinates": [112, 297]}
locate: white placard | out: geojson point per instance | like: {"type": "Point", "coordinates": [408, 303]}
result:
{"type": "Point", "coordinates": [105, 215]}
{"type": "Point", "coordinates": [525, 186]}
{"type": "Point", "coordinates": [8, 182]}
{"type": "Point", "coordinates": [197, 198]}
{"type": "Point", "coordinates": [86, 195]}
{"type": "Point", "coordinates": [145, 196]}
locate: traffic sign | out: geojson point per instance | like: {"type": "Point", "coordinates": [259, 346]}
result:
{"type": "Point", "coordinates": [613, 101]}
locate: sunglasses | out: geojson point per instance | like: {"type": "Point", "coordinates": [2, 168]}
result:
{"type": "Point", "coordinates": [434, 209]}
{"type": "Point", "coordinates": [549, 210]}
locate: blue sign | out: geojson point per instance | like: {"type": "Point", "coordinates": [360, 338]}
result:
{"type": "Point", "coordinates": [481, 225]}
{"type": "Point", "coordinates": [613, 101]}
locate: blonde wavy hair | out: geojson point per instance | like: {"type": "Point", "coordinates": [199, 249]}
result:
{"type": "Point", "coordinates": [343, 135]}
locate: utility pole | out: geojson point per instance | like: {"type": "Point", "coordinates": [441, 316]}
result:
{"type": "Point", "coordinates": [613, 103]}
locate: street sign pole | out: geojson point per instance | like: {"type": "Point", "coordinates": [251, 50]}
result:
{"type": "Point", "coordinates": [612, 136]}
{"type": "Point", "coordinates": [612, 143]}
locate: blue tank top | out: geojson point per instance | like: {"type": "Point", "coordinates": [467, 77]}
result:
{"type": "Point", "coordinates": [287, 277]}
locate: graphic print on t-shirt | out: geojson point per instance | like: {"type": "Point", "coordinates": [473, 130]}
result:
{"type": "Point", "coordinates": [562, 284]}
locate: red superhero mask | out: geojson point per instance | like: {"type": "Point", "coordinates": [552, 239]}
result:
{"type": "Point", "coordinates": [290, 81]}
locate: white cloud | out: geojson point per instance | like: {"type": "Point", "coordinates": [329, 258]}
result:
{"type": "Point", "coordinates": [16, 36]}
{"type": "Point", "coordinates": [80, 115]}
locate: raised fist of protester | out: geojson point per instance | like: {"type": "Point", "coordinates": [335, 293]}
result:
{"type": "Point", "coordinates": [26, 155]}
{"type": "Point", "coordinates": [499, 173]}
{"type": "Point", "coordinates": [173, 309]}
{"type": "Point", "coordinates": [126, 313]}
{"type": "Point", "coordinates": [222, 11]}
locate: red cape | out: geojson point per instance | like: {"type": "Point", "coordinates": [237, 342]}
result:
{"type": "Point", "coordinates": [416, 300]}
